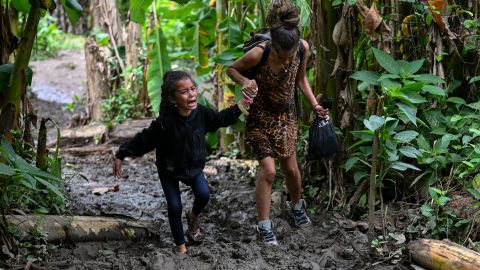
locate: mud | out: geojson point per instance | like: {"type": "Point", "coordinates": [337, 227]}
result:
{"type": "Point", "coordinates": [231, 243]}
{"type": "Point", "coordinates": [333, 242]}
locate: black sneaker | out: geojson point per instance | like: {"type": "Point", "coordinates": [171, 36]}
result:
{"type": "Point", "coordinates": [299, 217]}
{"type": "Point", "coordinates": [268, 237]}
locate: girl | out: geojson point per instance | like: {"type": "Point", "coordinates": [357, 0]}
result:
{"type": "Point", "coordinates": [178, 135]}
{"type": "Point", "coordinates": [271, 123]}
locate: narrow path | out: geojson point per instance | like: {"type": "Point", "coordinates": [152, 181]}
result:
{"type": "Point", "coordinates": [332, 243]}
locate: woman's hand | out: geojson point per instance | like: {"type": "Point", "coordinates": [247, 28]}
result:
{"type": "Point", "coordinates": [250, 89]}
{"type": "Point", "coordinates": [320, 111]}
{"type": "Point", "coordinates": [117, 168]}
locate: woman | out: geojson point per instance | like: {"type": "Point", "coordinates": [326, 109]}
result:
{"type": "Point", "coordinates": [271, 123]}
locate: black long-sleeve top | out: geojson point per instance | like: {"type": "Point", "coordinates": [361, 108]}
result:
{"type": "Point", "coordinates": [179, 141]}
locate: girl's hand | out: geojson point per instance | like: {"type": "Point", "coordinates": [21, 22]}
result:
{"type": "Point", "coordinates": [320, 111]}
{"type": "Point", "coordinates": [117, 168]}
{"type": "Point", "coordinates": [250, 89]}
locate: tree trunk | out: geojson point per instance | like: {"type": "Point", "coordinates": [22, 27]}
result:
{"type": "Point", "coordinates": [219, 77]}
{"type": "Point", "coordinates": [106, 17]}
{"type": "Point", "coordinates": [18, 77]}
{"type": "Point", "coordinates": [442, 255]}
{"type": "Point", "coordinates": [133, 40]}
{"type": "Point", "coordinates": [81, 228]}
{"type": "Point", "coordinates": [97, 78]}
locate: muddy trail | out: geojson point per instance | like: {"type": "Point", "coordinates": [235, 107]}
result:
{"type": "Point", "coordinates": [333, 242]}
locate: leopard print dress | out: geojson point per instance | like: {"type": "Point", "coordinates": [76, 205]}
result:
{"type": "Point", "coordinates": [272, 122]}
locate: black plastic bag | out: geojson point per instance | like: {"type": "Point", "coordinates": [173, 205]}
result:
{"type": "Point", "coordinates": [322, 140]}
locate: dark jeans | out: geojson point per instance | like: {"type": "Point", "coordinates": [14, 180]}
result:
{"type": "Point", "coordinates": [174, 203]}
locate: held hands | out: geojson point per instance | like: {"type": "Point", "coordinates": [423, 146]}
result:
{"type": "Point", "coordinates": [320, 111]}
{"type": "Point", "coordinates": [249, 90]}
{"type": "Point", "coordinates": [117, 168]}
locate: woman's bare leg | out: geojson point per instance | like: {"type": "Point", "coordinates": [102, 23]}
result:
{"type": "Point", "coordinates": [292, 174]}
{"type": "Point", "coordinates": [264, 187]}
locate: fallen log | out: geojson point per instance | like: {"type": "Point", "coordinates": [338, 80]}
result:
{"type": "Point", "coordinates": [94, 132]}
{"type": "Point", "coordinates": [86, 150]}
{"type": "Point", "coordinates": [80, 228]}
{"type": "Point", "coordinates": [127, 130]}
{"type": "Point", "coordinates": [442, 255]}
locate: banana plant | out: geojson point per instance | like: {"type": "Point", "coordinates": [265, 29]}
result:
{"type": "Point", "coordinates": [18, 76]}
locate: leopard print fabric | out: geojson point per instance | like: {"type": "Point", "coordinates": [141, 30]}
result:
{"type": "Point", "coordinates": [272, 122]}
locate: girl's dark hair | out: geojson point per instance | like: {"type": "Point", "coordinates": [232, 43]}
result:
{"type": "Point", "coordinates": [170, 79]}
{"type": "Point", "coordinates": [283, 20]}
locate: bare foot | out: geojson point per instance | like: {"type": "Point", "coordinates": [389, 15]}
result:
{"type": "Point", "coordinates": [182, 249]}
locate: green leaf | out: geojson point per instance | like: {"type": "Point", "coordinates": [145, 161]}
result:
{"type": "Point", "coordinates": [139, 10]}
{"type": "Point", "coordinates": [358, 176]}
{"type": "Point", "coordinates": [428, 78]}
{"type": "Point", "coordinates": [475, 106]}
{"type": "Point", "coordinates": [6, 170]}
{"type": "Point", "coordinates": [409, 111]}
{"type": "Point", "coordinates": [350, 162]}
{"type": "Point", "coordinates": [181, 2]}
{"type": "Point", "coordinates": [21, 5]}
{"type": "Point", "coordinates": [51, 187]}
{"type": "Point", "coordinates": [336, 3]}
{"type": "Point", "coordinates": [456, 100]}
{"type": "Point", "coordinates": [386, 61]}
{"type": "Point", "coordinates": [475, 193]}
{"type": "Point", "coordinates": [426, 210]}
{"type": "Point", "coordinates": [228, 57]}
{"type": "Point", "coordinates": [160, 63]}
{"type": "Point", "coordinates": [388, 76]}
{"type": "Point", "coordinates": [443, 200]}
{"type": "Point", "coordinates": [369, 77]}
{"type": "Point", "coordinates": [413, 86]}
{"type": "Point", "coordinates": [418, 178]}
{"type": "Point", "coordinates": [434, 90]}
{"type": "Point", "coordinates": [74, 5]}
{"type": "Point", "coordinates": [402, 166]}
{"type": "Point", "coordinates": [474, 79]}
{"type": "Point", "coordinates": [73, 10]}
{"type": "Point", "coordinates": [462, 222]}
{"type": "Point", "coordinates": [423, 144]}
{"type": "Point", "coordinates": [374, 122]}
{"type": "Point", "coordinates": [412, 97]}
{"type": "Point", "coordinates": [410, 151]}
{"type": "Point", "coordinates": [406, 136]}
{"type": "Point", "coordinates": [7, 150]}
{"type": "Point", "coordinates": [410, 68]}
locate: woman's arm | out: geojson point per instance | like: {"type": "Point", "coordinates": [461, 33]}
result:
{"type": "Point", "coordinates": [304, 85]}
{"type": "Point", "coordinates": [251, 59]}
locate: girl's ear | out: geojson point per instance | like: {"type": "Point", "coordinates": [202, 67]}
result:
{"type": "Point", "coordinates": [172, 100]}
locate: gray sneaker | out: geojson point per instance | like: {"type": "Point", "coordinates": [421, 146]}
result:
{"type": "Point", "coordinates": [267, 235]}
{"type": "Point", "coordinates": [299, 214]}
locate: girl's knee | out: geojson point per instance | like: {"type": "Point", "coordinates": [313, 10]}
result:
{"type": "Point", "coordinates": [203, 197]}
{"type": "Point", "coordinates": [175, 209]}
